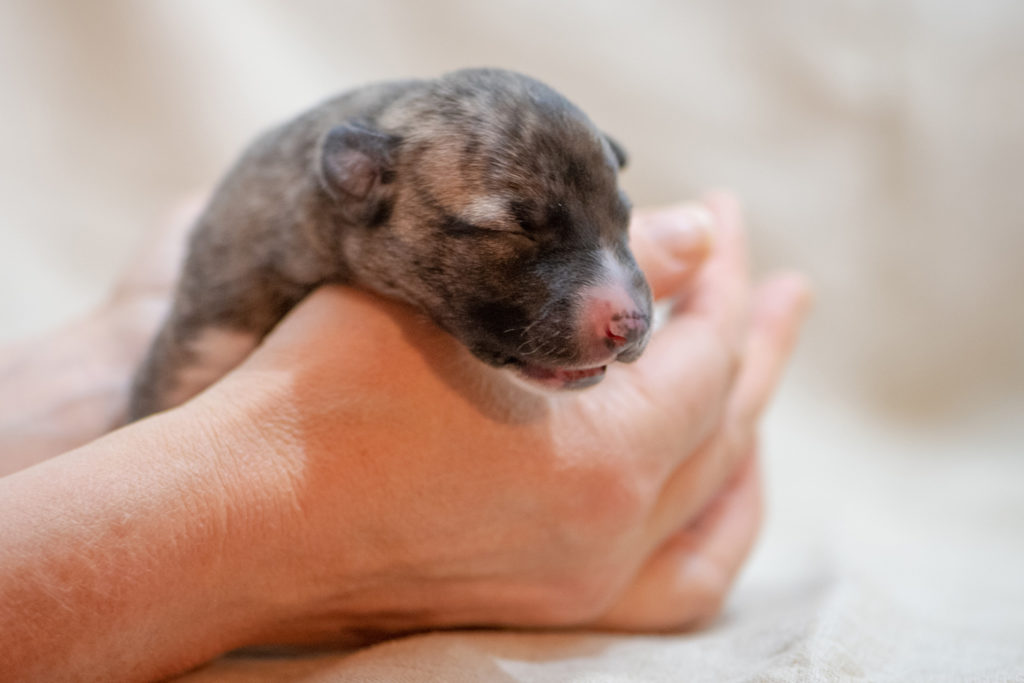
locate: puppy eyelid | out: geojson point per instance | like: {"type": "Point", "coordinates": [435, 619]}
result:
{"type": "Point", "coordinates": [524, 224]}
{"type": "Point", "coordinates": [509, 228]}
{"type": "Point", "coordinates": [521, 217]}
{"type": "Point", "coordinates": [517, 230]}
{"type": "Point", "coordinates": [460, 227]}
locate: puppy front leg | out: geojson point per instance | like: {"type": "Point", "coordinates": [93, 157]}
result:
{"type": "Point", "coordinates": [183, 361]}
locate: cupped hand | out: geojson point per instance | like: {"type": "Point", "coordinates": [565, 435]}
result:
{"type": "Point", "coordinates": [381, 481]}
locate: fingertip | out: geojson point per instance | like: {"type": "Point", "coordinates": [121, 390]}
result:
{"type": "Point", "coordinates": [671, 244]}
{"type": "Point", "coordinates": [682, 231]}
{"type": "Point", "coordinates": [780, 307]}
{"type": "Point", "coordinates": [726, 205]}
{"type": "Point", "coordinates": [731, 249]}
{"type": "Point", "coordinates": [786, 294]}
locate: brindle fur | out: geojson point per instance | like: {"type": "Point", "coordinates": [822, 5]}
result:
{"type": "Point", "coordinates": [486, 202]}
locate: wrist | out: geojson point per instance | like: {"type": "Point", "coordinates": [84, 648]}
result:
{"type": "Point", "coordinates": [253, 503]}
{"type": "Point", "coordinates": [286, 514]}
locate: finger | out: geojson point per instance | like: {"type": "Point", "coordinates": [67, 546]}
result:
{"type": "Point", "coordinates": [718, 302]}
{"type": "Point", "coordinates": [690, 364]}
{"type": "Point", "coordinates": [721, 294]}
{"type": "Point", "coordinates": [781, 305]}
{"type": "Point", "coordinates": [685, 580]}
{"type": "Point", "coordinates": [671, 244]}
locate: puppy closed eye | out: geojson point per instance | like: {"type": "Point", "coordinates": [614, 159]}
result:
{"type": "Point", "coordinates": [486, 215]}
{"type": "Point", "coordinates": [460, 227]}
{"type": "Point", "coordinates": [523, 218]}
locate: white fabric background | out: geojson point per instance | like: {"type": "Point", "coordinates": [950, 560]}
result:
{"type": "Point", "coordinates": [879, 146]}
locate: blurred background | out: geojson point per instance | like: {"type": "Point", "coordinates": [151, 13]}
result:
{"type": "Point", "coordinates": [878, 146]}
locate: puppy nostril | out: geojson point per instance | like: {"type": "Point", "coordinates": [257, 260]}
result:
{"type": "Point", "coordinates": [614, 326]}
{"type": "Point", "coordinates": [624, 330]}
{"type": "Point", "coordinates": [615, 338]}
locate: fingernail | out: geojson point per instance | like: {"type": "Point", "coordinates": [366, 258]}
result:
{"type": "Point", "coordinates": [683, 231]}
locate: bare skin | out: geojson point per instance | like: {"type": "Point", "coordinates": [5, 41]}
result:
{"type": "Point", "coordinates": [310, 498]}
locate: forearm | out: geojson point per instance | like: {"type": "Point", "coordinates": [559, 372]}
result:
{"type": "Point", "coordinates": [115, 560]}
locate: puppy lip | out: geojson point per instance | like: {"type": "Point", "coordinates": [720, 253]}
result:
{"type": "Point", "coordinates": [560, 378]}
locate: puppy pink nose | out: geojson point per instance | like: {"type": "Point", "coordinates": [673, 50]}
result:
{"type": "Point", "coordinates": [615, 327]}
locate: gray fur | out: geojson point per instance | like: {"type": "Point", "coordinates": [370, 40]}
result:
{"type": "Point", "coordinates": [483, 198]}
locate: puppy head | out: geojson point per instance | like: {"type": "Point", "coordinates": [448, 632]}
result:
{"type": "Point", "coordinates": [491, 203]}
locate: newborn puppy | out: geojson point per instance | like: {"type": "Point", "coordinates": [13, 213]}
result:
{"type": "Point", "coordinates": [483, 198]}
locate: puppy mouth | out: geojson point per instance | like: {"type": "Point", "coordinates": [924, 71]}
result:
{"type": "Point", "coordinates": [561, 379]}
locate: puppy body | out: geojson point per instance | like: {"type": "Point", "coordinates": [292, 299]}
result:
{"type": "Point", "coordinates": [483, 198]}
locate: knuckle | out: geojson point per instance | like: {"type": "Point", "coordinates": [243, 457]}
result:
{"type": "Point", "coordinates": [703, 610]}
{"type": "Point", "coordinates": [606, 499]}
{"type": "Point", "coordinates": [726, 348]}
{"type": "Point", "coordinates": [705, 599]}
{"type": "Point", "coordinates": [729, 362]}
{"type": "Point", "coordinates": [580, 598]}
{"type": "Point", "coordinates": [738, 441]}
{"type": "Point", "coordinates": [716, 380]}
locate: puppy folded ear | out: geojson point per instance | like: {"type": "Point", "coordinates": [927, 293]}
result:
{"type": "Point", "coordinates": [355, 160]}
{"type": "Point", "coordinates": [621, 158]}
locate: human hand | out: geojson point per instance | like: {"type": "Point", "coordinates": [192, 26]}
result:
{"type": "Point", "coordinates": [347, 487]}
{"type": "Point", "coordinates": [379, 481]}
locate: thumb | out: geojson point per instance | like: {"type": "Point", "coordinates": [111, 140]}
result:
{"type": "Point", "coordinates": [671, 244]}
